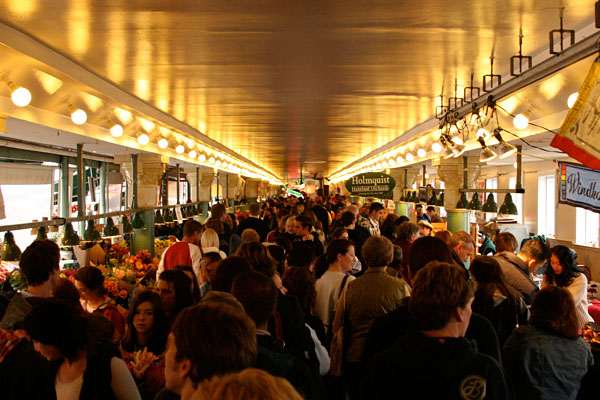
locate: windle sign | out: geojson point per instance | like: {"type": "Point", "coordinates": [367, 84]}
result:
{"type": "Point", "coordinates": [371, 184]}
{"type": "Point", "coordinates": [579, 186]}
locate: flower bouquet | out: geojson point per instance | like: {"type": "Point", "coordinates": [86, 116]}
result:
{"type": "Point", "coordinates": [147, 370]}
{"type": "Point", "coordinates": [160, 246]}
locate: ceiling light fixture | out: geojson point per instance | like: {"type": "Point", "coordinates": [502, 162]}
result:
{"type": "Point", "coordinates": [436, 147]}
{"type": "Point", "coordinates": [218, 163]}
{"type": "Point", "coordinates": [506, 149]}
{"type": "Point", "coordinates": [179, 149]}
{"type": "Point", "coordinates": [521, 121]}
{"type": "Point", "coordinates": [78, 116]}
{"type": "Point", "coordinates": [487, 154]}
{"type": "Point", "coordinates": [143, 139]}
{"type": "Point", "coordinates": [202, 157]}
{"type": "Point", "coordinates": [572, 99]}
{"type": "Point", "coordinates": [409, 157]}
{"type": "Point", "coordinates": [163, 143]}
{"type": "Point", "coordinates": [193, 154]}
{"type": "Point", "coordinates": [115, 129]}
{"type": "Point", "coordinates": [211, 160]}
{"type": "Point", "coordinates": [421, 153]}
{"type": "Point", "coordinates": [20, 96]}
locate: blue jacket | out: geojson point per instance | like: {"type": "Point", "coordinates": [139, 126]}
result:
{"type": "Point", "coordinates": [545, 366]}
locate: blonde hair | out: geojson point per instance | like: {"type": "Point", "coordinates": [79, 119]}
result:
{"type": "Point", "coordinates": [209, 239]}
{"type": "Point", "coordinates": [248, 384]}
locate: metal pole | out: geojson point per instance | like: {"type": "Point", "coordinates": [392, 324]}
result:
{"type": "Point", "coordinates": [103, 188]}
{"type": "Point", "coordinates": [519, 168]}
{"type": "Point", "coordinates": [424, 171]}
{"type": "Point", "coordinates": [217, 174]}
{"type": "Point", "coordinates": [134, 169]}
{"type": "Point", "coordinates": [65, 195]}
{"type": "Point", "coordinates": [80, 186]}
{"type": "Point", "coordinates": [178, 178]}
{"type": "Point", "coordinates": [197, 183]}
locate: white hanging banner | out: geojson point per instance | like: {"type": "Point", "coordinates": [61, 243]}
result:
{"type": "Point", "coordinates": [579, 186]}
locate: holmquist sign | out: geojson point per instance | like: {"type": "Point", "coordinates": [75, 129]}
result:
{"type": "Point", "coordinates": [579, 186]}
{"type": "Point", "coordinates": [371, 184]}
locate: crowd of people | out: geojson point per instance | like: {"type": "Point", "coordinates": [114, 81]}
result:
{"type": "Point", "coordinates": [315, 299]}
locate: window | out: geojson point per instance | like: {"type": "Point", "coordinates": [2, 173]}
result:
{"type": "Point", "coordinates": [587, 224]}
{"type": "Point", "coordinates": [517, 199]}
{"type": "Point", "coordinates": [546, 205]}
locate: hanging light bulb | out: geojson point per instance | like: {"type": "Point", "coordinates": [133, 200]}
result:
{"type": "Point", "coordinates": [385, 164]}
{"type": "Point", "coordinates": [458, 150]}
{"type": "Point", "coordinates": [399, 159]}
{"type": "Point", "coordinates": [143, 139]}
{"type": "Point", "coordinates": [163, 143]}
{"type": "Point", "coordinates": [378, 166]}
{"type": "Point", "coordinates": [391, 162]}
{"type": "Point", "coordinates": [193, 154]}
{"type": "Point", "coordinates": [487, 154]}
{"type": "Point", "coordinates": [189, 143]}
{"type": "Point", "coordinates": [78, 116]}
{"type": "Point", "coordinates": [224, 165]}
{"type": "Point", "coordinates": [202, 157]}
{"type": "Point", "coordinates": [457, 140]}
{"type": "Point", "coordinates": [409, 157]}
{"type": "Point", "coordinates": [179, 149]}
{"type": "Point", "coordinates": [19, 95]}
{"type": "Point", "coordinates": [484, 133]}
{"type": "Point", "coordinates": [116, 130]}
{"type": "Point", "coordinates": [506, 149]}
{"type": "Point", "coordinates": [572, 99]}
{"type": "Point", "coordinates": [421, 153]}
{"type": "Point", "coordinates": [521, 121]}
{"type": "Point", "coordinates": [436, 147]}
{"type": "Point", "coordinates": [211, 160]}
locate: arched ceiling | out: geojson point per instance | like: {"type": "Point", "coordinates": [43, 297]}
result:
{"type": "Point", "coordinates": [290, 84]}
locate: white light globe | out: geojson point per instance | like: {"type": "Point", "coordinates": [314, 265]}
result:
{"type": "Point", "coordinates": [193, 154]}
{"type": "Point", "coordinates": [179, 149]}
{"type": "Point", "coordinates": [436, 147]}
{"type": "Point", "coordinates": [211, 160]}
{"type": "Point", "coordinates": [116, 130]}
{"type": "Point", "coordinates": [572, 99]}
{"type": "Point", "coordinates": [521, 121]}
{"type": "Point", "coordinates": [409, 157]}
{"type": "Point", "coordinates": [143, 139]}
{"type": "Point", "coordinates": [21, 97]}
{"type": "Point", "coordinates": [79, 117]}
{"type": "Point", "coordinates": [202, 158]}
{"type": "Point", "coordinates": [421, 153]}
{"type": "Point", "coordinates": [163, 143]}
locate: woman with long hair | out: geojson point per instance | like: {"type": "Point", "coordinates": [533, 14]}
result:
{"type": "Point", "coordinates": [563, 272]}
{"type": "Point", "coordinates": [331, 271]}
{"type": "Point", "coordinates": [495, 300]}
{"type": "Point", "coordinates": [547, 359]}
{"type": "Point", "coordinates": [147, 325]}
{"type": "Point", "coordinates": [147, 330]}
{"type": "Point", "coordinates": [90, 284]}
{"type": "Point", "coordinates": [82, 367]}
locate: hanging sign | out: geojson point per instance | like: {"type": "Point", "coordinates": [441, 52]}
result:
{"type": "Point", "coordinates": [578, 135]}
{"type": "Point", "coordinates": [579, 186]}
{"type": "Point", "coordinates": [371, 184]}
{"type": "Point", "coordinates": [294, 188]}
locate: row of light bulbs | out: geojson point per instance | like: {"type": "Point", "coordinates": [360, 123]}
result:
{"type": "Point", "coordinates": [451, 143]}
{"type": "Point", "coordinates": [21, 97]}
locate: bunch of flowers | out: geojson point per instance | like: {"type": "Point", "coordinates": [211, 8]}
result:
{"type": "Point", "coordinates": [146, 368]}
{"type": "Point", "coordinates": [161, 245]}
{"type": "Point", "coordinates": [113, 287]}
{"type": "Point", "coordinates": [141, 263]}
{"type": "Point", "coordinates": [118, 251]}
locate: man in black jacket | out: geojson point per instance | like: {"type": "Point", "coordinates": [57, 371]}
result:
{"type": "Point", "coordinates": [437, 361]}
{"type": "Point", "coordinates": [254, 222]}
